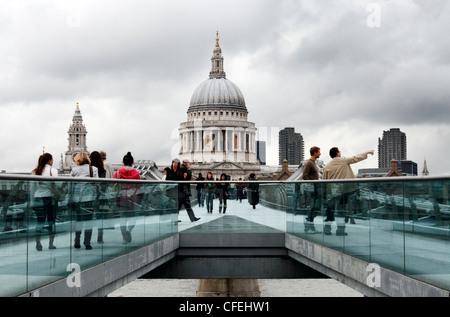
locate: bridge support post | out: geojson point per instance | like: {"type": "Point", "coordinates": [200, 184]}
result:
{"type": "Point", "coordinates": [228, 288]}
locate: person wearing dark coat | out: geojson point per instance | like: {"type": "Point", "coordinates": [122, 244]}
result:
{"type": "Point", "coordinates": [222, 190]}
{"type": "Point", "coordinates": [210, 190]}
{"type": "Point", "coordinates": [182, 173]}
{"type": "Point", "coordinates": [97, 161]}
{"type": "Point", "coordinates": [253, 191]}
{"type": "Point", "coordinates": [200, 191]}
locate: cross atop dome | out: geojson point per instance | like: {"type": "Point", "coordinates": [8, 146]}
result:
{"type": "Point", "coordinates": [77, 111]}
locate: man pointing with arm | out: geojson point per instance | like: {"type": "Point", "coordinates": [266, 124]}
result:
{"type": "Point", "coordinates": [339, 168]}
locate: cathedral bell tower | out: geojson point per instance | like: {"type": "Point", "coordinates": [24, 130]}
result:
{"type": "Point", "coordinates": [77, 139]}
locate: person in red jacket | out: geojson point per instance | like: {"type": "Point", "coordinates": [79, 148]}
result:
{"type": "Point", "coordinates": [128, 200]}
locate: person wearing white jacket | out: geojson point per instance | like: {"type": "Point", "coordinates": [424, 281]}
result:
{"type": "Point", "coordinates": [44, 204]}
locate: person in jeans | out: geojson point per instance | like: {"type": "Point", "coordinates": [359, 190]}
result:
{"type": "Point", "coordinates": [311, 172]}
{"type": "Point", "coordinates": [200, 191]}
{"type": "Point", "coordinates": [223, 191]}
{"type": "Point", "coordinates": [210, 192]}
{"type": "Point", "coordinates": [45, 207]}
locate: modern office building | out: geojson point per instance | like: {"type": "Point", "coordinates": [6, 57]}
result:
{"type": "Point", "coordinates": [261, 152]}
{"type": "Point", "coordinates": [406, 168]}
{"type": "Point", "coordinates": [391, 146]}
{"type": "Point", "coordinates": [290, 146]}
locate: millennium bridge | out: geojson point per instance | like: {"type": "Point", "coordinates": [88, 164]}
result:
{"type": "Point", "coordinates": [380, 236]}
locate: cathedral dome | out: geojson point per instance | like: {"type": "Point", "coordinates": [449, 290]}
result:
{"type": "Point", "coordinates": [217, 93]}
{"type": "Point", "coordinates": [217, 127]}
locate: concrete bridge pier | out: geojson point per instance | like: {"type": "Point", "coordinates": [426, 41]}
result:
{"type": "Point", "coordinates": [228, 287]}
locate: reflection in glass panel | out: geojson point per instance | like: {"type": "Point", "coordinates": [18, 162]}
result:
{"type": "Point", "coordinates": [427, 234]}
{"type": "Point", "coordinates": [46, 226]}
{"type": "Point", "coordinates": [48, 232]}
{"type": "Point", "coordinates": [387, 243]}
{"type": "Point", "coordinates": [402, 224]}
{"type": "Point", "coordinates": [13, 235]}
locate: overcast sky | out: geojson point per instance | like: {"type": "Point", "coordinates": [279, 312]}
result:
{"type": "Point", "coordinates": [339, 72]}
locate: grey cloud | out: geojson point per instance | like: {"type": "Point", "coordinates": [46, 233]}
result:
{"type": "Point", "coordinates": [314, 65]}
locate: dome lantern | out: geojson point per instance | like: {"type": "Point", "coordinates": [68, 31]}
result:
{"type": "Point", "coordinates": [217, 61]}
